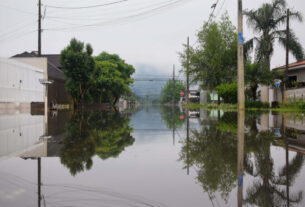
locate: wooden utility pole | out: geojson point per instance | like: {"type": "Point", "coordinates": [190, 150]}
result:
{"type": "Point", "coordinates": [240, 56]}
{"type": "Point", "coordinates": [187, 70]}
{"type": "Point", "coordinates": [39, 28]}
{"type": "Point", "coordinates": [287, 58]}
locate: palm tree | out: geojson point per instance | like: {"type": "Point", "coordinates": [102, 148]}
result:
{"type": "Point", "coordinates": [266, 21]}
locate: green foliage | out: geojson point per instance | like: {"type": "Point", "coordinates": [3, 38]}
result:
{"type": "Point", "coordinates": [78, 66]}
{"type": "Point", "coordinates": [296, 104]}
{"type": "Point", "coordinates": [168, 91]}
{"type": "Point", "coordinates": [228, 92]}
{"type": "Point", "coordinates": [267, 21]}
{"type": "Point", "coordinates": [95, 133]}
{"type": "Point", "coordinates": [104, 78]}
{"type": "Point", "coordinates": [256, 104]}
{"type": "Point", "coordinates": [214, 61]}
{"type": "Point", "coordinates": [255, 74]}
{"type": "Point", "coordinates": [120, 71]}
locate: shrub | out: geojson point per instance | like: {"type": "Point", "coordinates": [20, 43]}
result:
{"type": "Point", "coordinates": [228, 92]}
{"type": "Point", "coordinates": [256, 104]}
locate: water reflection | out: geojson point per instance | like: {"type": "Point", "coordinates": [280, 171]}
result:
{"type": "Point", "coordinates": [94, 133]}
{"type": "Point", "coordinates": [226, 149]}
{"type": "Point", "coordinates": [213, 153]}
{"type": "Point", "coordinates": [229, 159]}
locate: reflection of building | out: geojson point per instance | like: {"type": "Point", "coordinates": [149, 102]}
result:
{"type": "Point", "coordinates": [19, 133]}
{"type": "Point", "coordinates": [294, 129]}
{"type": "Point", "coordinates": [57, 94]}
{"type": "Point", "coordinates": [52, 137]}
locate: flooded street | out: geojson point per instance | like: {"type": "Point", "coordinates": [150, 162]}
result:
{"type": "Point", "coordinates": [144, 158]}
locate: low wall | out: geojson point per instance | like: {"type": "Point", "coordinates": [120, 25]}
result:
{"type": "Point", "coordinates": [295, 94]}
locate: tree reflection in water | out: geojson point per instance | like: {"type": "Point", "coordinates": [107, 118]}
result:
{"type": "Point", "coordinates": [94, 133]}
{"type": "Point", "coordinates": [172, 117]}
{"type": "Point", "coordinates": [270, 188]}
{"type": "Point", "coordinates": [212, 151]}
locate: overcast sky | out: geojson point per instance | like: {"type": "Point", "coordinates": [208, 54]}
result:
{"type": "Point", "coordinates": [146, 33]}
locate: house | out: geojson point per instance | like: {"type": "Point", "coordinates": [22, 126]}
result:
{"type": "Point", "coordinates": [57, 95]}
{"type": "Point", "coordinates": [295, 89]}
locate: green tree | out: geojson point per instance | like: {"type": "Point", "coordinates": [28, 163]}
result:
{"type": "Point", "coordinates": [78, 66]}
{"type": "Point", "coordinates": [168, 91]}
{"type": "Point", "coordinates": [228, 92]}
{"type": "Point", "coordinates": [255, 74]}
{"type": "Point", "coordinates": [123, 74]}
{"type": "Point", "coordinates": [108, 83]}
{"type": "Point", "coordinates": [213, 61]}
{"type": "Point", "coordinates": [267, 21]}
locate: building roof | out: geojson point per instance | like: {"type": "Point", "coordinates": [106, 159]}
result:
{"type": "Point", "coordinates": [292, 66]}
{"type": "Point", "coordinates": [54, 67]}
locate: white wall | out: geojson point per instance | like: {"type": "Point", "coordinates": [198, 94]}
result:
{"type": "Point", "coordinates": [19, 82]}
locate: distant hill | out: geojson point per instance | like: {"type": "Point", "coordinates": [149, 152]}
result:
{"type": "Point", "coordinates": [147, 81]}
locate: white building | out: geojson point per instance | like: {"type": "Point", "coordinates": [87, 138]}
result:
{"type": "Point", "coordinates": [19, 84]}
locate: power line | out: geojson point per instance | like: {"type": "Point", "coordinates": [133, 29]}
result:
{"type": "Point", "coordinates": [219, 11]}
{"type": "Point", "coordinates": [210, 17]}
{"type": "Point", "coordinates": [119, 20]}
{"type": "Point", "coordinates": [19, 10]}
{"type": "Point", "coordinates": [86, 7]}
{"type": "Point", "coordinates": [214, 7]}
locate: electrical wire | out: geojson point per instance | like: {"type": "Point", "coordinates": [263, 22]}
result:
{"type": "Point", "coordinates": [86, 7]}
{"type": "Point", "coordinates": [220, 9]}
{"type": "Point", "coordinates": [210, 17]}
{"type": "Point", "coordinates": [79, 16]}
{"type": "Point", "coordinates": [118, 20]}
{"type": "Point", "coordinates": [19, 10]}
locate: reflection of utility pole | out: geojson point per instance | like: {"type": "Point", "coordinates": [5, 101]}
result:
{"type": "Point", "coordinates": [287, 158]}
{"type": "Point", "coordinates": [187, 140]}
{"type": "Point", "coordinates": [39, 180]}
{"type": "Point", "coordinates": [240, 155]}
{"type": "Point", "coordinates": [187, 70]}
{"type": "Point", "coordinates": [287, 58]}
{"type": "Point", "coordinates": [174, 105]}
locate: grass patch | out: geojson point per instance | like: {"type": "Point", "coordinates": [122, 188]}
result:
{"type": "Point", "coordinates": [251, 107]}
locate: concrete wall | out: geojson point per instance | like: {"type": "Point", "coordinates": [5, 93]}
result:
{"type": "Point", "coordinates": [295, 94]}
{"type": "Point", "coordinates": [19, 82]}
{"type": "Point", "coordinates": [264, 93]}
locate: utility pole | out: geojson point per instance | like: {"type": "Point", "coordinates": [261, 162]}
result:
{"type": "Point", "coordinates": [39, 28]}
{"type": "Point", "coordinates": [287, 57]}
{"type": "Point", "coordinates": [187, 70]}
{"type": "Point", "coordinates": [240, 56]}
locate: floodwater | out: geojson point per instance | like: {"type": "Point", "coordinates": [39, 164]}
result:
{"type": "Point", "coordinates": [153, 156]}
